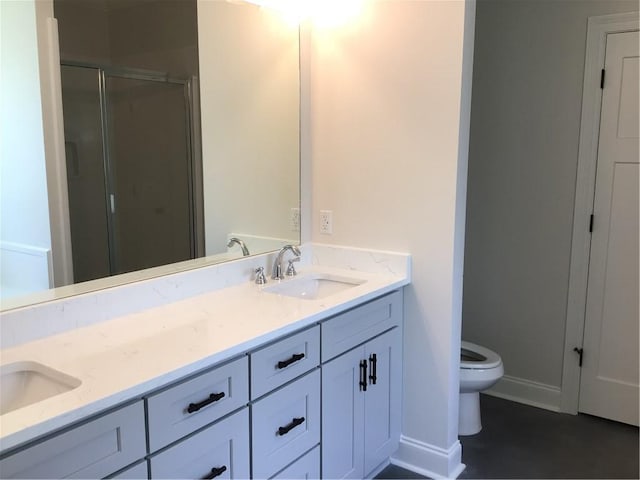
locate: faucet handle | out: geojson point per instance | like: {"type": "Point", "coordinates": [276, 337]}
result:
{"type": "Point", "coordinates": [291, 271]}
{"type": "Point", "coordinates": [261, 278]}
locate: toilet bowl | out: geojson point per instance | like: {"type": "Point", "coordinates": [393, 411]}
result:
{"type": "Point", "coordinates": [480, 368]}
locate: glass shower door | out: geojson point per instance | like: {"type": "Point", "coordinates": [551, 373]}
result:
{"type": "Point", "coordinates": [150, 172]}
{"type": "Point", "coordinates": [81, 99]}
{"type": "Point", "coordinates": [129, 170]}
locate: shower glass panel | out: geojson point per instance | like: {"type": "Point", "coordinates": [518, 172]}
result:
{"type": "Point", "coordinates": [129, 170]}
{"type": "Point", "coordinates": [150, 171]}
{"type": "Point", "coordinates": [81, 101]}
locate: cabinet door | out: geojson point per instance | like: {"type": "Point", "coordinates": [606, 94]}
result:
{"type": "Point", "coordinates": [92, 450]}
{"type": "Point", "coordinates": [382, 399]}
{"type": "Point", "coordinates": [343, 416]}
{"type": "Point", "coordinates": [220, 451]}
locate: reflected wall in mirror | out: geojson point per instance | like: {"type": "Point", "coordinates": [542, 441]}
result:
{"type": "Point", "coordinates": [181, 126]}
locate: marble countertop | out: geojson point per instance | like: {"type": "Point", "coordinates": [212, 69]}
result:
{"type": "Point", "coordinates": [126, 357]}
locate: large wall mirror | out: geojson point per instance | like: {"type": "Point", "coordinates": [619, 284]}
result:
{"type": "Point", "coordinates": [181, 133]}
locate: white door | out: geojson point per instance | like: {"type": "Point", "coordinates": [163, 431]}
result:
{"type": "Point", "coordinates": [609, 377]}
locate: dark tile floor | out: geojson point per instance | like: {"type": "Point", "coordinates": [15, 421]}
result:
{"type": "Point", "coordinates": [519, 441]}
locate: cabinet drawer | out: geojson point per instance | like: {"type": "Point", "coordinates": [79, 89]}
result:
{"type": "Point", "coordinates": [285, 424]}
{"type": "Point", "coordinates": [209, 396]}
{"type": "Point", "coordinates": [93, 450]}
{"type": "Point", "coordinates": [306, 467]}
{"type": "Point", "coordinates": [345, 331]}
{"type": "Point", "coordinates": [285, 360]}
{"type": "Point", "coordinates": [220, 451]}
{"type": "Point", "coordinates": [137, 472]}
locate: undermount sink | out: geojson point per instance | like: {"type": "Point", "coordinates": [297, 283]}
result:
{"type": "Point", "coordinates": [313, 287]}
{"type": "Point", "coordinates": [25, 383]}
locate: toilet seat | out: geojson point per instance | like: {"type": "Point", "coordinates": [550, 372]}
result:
{"type": "Point", "coordinates": [480, 369]}
{"type": "Point", "coordinates": [483, 358]}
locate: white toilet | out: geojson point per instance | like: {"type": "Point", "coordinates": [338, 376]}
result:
{"type": "Point", "coordinates": [480, 368]}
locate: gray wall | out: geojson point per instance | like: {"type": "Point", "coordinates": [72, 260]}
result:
{"type": "Point", "coordinates": [525, 121]}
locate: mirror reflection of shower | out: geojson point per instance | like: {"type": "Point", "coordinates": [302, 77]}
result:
{"type": "Point", "coordinates": [130, 169]}
{"type": "Point", "coordinates": [131, 121]}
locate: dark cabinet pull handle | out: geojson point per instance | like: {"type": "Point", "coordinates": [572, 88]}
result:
{"type": "Point", "coordinates": [294, 358]}
{"type": "Point", "coordinates": [215, 472]}
{"type": "Point", "coordinates": [373, 362]}
{"type": "Point", "coordinates": [291, 426]}
{"type": "Point", "coordinates": [363, 375]}
{"type": "Point", "coordinates": [214, 397]}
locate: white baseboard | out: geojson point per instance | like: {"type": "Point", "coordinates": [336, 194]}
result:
{"type": "Point", "coordinates": [376, 471]}
{"type": "Point", "coordinates": [429, 460]}
{"type": "Point", "coordinates": [528, 392]}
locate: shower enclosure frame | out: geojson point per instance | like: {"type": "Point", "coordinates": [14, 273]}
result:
{"type": "Point", "coordinates": [192, 142]}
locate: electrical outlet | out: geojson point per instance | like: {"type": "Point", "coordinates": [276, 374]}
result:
{"type": "Point", "coordinates": [326, 222]}
{"type": "Point", "coordinates": [294, 219]}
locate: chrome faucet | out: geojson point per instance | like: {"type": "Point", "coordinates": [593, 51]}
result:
{"type": "Point", "coordinates": [260, 277]}
{"type": "Point", "coordinates": [243, 246]}
{"type": "Point", "coordinates": [277, 265]}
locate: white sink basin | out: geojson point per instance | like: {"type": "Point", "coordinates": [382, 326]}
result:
{"type": "Point", "coordinates": [313, 287]}
{"type": "Point", "coordinates": [25, 383]}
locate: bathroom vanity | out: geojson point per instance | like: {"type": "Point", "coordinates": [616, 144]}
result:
{"type": "Point", "coordinates": [249, 381]}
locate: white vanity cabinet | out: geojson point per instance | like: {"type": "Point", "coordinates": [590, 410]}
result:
{"type": "Point", "coordinates": [285, 423]}
{"type": "Point", "coordinates": [183, 408]}
{"type": "Point", "coordinates": [284, 360]}
{"type": "Point", "coordinates": [361, 391]}
{"type": "Point", "coordinates": [135, 472]}
{"type": "Point", "coordinates": [94, 449]}
{"type": "Point", "coordinates": [220, 451]}
{"type": "Point", "coordinates": [323, 402]}
{"type": "Point", "coordinates": [306, 467]}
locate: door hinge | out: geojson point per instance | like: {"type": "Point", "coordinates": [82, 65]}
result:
{"type": "Point", "coordinates": [579, 351]}
{"type": "Point", "coordinates": [602, 78]}
{"type": "Point", "coordinates": [591, 223]}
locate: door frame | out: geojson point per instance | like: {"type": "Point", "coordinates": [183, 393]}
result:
{"type": "Point", "coordinates": [61, 259]}
{"type": "Point", "coordinates": [597, 30]}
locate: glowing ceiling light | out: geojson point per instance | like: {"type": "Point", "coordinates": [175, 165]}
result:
{"type": "Point", "coordinates": [334, 13]}
{"type": "Point", "coordinates": [322, 13]}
